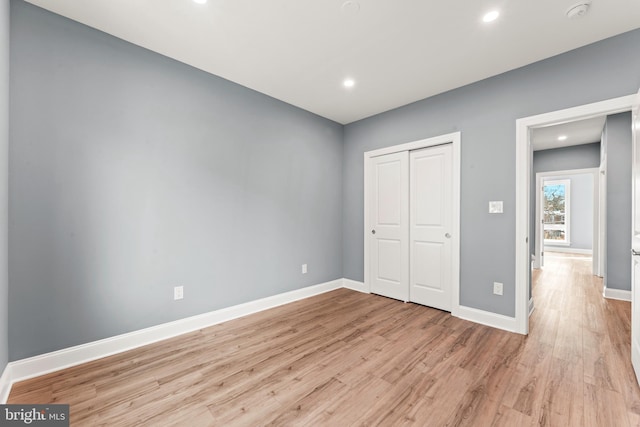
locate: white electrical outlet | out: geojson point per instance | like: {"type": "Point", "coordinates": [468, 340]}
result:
{"type": "Point", "coordinates": [497, 288]}
{"type": "Point", "coordinates": [178, 292]}
{"type": "Point", "coordinates": [304, 268]}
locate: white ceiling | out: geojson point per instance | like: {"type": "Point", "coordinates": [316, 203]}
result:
{"type": "Point", "coordinates": [300, 51]}
{"type": "Point", "coordinates": [577, 133]}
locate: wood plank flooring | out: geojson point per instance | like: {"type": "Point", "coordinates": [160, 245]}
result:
{"type": "Point", "coordinates": [346, 358]}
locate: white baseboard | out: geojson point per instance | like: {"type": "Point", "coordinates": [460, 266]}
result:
{"type": "Point", "coordinates": [487, 318]}
{"type": "Point", "coordinates": [355, 286]}
{"type": "Point", "coordinates": [531, 306]}
{"type": "Point", "coordinates": [635, 358]}
{"type": "Point", "coordinates": [50, 362]}
{"type": "Point", "coordinates": [617, 294]}
{"type": "Point", "coordinates": [535, 262]}
{"type": "Point", "coordinates": [567, 249]}
{"type": "Point", "coordinates": [5, 384]}
{"type": "Point", "coordinates": [45, 363]}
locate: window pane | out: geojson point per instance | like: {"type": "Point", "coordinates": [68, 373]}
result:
{"type": "Point", "coordinates": [555, 226]}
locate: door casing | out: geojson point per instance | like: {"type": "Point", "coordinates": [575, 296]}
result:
{"type": "Point", "coordinates": [539, 242]}
{"type": "Point", "coordinates": [523, 177]}
{"type": "Point", "coordinates": [635, 239]}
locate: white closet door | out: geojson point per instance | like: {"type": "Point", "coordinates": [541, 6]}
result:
{"type": "Point", "coordinates": [389, 225]}
{"type": "Point", "coordinates": [431, 201]}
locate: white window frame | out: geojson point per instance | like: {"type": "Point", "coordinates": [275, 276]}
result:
{"type": "Point", "coordinates": [567, 211]}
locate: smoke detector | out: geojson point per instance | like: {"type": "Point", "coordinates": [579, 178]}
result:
{"type": "Point", "coordinates": [578, 10]}
{"type": "Point", "coordinates": [350, 7]}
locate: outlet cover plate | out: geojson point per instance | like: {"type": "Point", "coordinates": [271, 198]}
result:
{"type": "Point", "coordinates": [497, 288]}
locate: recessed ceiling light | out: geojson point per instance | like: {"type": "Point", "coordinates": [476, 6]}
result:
{"type": "Point", "coordinates": [200, 1]}
{"type": "Point", "coordinates": [491, 16]}
{"type": "Point", "coordinates": [562, 138]}
{"type": "Point", "coordinates": [349, 83]}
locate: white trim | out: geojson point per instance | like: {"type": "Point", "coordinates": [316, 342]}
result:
{"type": "Point", "coordinates": [620, 294]}
{"type": "Point", "coordinates": [415, 145]}
{"type": "Point", "coordinates": [568, 250]}
{"type": "Point", "coordinates": [455, 241]}
{"type": "Point", "coordinates": [455, 140]}
{"type": "Point", "coordinates": [45, 363]}
{"type": "Point", "coordinates": [5, 385]}
{"type": "Point", "coordinates": [531, 306]}
{"type": "Point", "coordinates": [595, 241]}
{"type": "Point", "coordinates": [600, 262]}
{"type": "Point", "coordinates": [523, 176]}
{"type": "Point", "coordinates": [635, 358]}
{"type": "Point", "coordinates": [635, 235]}
{"type": "Point", "coordinates": [355, 286]}
{"type": "Point", "coordinates": [487, 318]}
{"type": "Point", "coordinates": [538, 250]}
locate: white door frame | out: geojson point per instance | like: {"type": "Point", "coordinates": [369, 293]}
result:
{"type": "Point", "coordinates": [539, 245]}
{"type": "Point", "coordinates": [523, 179]}
{"type": "Point", "coordinates": [451, 138]}
{"type": "Point", "coordinates": [601, 269]}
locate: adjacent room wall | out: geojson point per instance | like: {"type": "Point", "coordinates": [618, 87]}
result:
{"type": "Point", "coordinates": [566, 158]}
{"type": "Point", "coordinates": [485, 112]}
{"type": "Point", "coordinates": [4, 152]}
{"type": "Point", "coordinates": [617, 138]}
{"type": "Point", "coordinates": [583, 156]}
{"type": "Point", "coordinates": [132, 173]}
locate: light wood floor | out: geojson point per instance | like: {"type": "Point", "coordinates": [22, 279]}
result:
{"type": "Point", "coordinates": [346, 358]}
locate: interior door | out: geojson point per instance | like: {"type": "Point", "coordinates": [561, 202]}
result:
{"type": "Point", "coordinates": [430, 219]}
{"type": "Point", "coordinates": [635, 242]}
{"type": "Point", "coordinates": [389, 223]}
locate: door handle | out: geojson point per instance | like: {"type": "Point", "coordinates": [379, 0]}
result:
{"type": "Point", "coordinates": [634, 252]}
{"type": "Point", "coordinates": [447, 235]}
{"type": "Point", "coordinates": [373, 231]}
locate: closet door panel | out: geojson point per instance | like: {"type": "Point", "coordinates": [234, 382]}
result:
{"type": "Point", "coordinates": [430, 223]}
{"type": "Point", "coordinates": [388, 237]}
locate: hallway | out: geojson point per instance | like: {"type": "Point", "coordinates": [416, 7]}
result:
{"type": "Point", "coordinates": [584, 345]}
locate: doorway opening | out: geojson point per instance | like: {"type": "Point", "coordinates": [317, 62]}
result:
{"type": "Point", "coordinates": [566, 210]}
{"type": "Point", "coordinates": [524, 161]}
{"type": "Point", "coordinates": [565, 202]}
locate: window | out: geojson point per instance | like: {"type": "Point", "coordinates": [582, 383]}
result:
{"type": "Point", "coordinates": [556, 211]}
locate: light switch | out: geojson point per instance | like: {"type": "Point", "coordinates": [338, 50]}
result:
{"type": "Point", "coordinates": [495, 207]}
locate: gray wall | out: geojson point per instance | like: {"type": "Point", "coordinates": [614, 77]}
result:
{"type": "Point", "coordinates": [4, 144]}
{"type": "Point", "coordinates": [131, 173]}
{"type": "Point", "coordinates": [580, 210]}
{"type": "Point", "coordinates": [485, 113]}
{"type": "Point", "coordinates": [617, 138]}
{"type": "Point", "coordinates": [576, 157]}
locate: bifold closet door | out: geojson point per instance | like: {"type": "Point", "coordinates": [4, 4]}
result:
{"type": "Point", "coordinates": [388, 237]}
{"type": "Point", "coordinates": [430, 226]}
